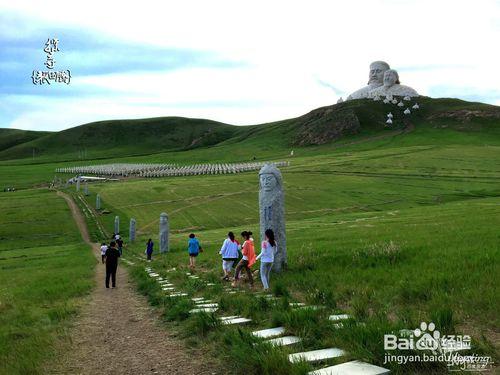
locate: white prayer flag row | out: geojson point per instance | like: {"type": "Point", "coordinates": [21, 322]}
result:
{"type": "Point", "coordinates": [166, 170]}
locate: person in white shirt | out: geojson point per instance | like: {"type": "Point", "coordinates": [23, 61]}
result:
{"type": "Point", "coordinates": [104, 247]}
{"type": "Point", "coordinates": [229, 252]}
{"type": "Point", "coordinates": [266, 256]}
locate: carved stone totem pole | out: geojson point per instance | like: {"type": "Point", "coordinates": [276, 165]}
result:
{"type": "Point", "coordinates": [272, 211]}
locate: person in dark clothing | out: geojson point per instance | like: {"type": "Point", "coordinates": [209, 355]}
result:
{"type": "Point", "coordinates": [119, 243]}
{"type": "Point", "coordinates": [112, 255]}
{"type": "Point", "coordinates": [149, 249]}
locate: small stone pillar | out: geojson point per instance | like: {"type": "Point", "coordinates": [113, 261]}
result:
{"type": "Point", "coordinates": [132, 230]}
{"type": "Point", "coordinates": [117, 224]}
{"type": "Point", "coordinates": [164, 229]}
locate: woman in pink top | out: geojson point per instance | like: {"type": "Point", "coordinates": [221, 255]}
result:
{"type": "Point", "coordinates": [248, 259]}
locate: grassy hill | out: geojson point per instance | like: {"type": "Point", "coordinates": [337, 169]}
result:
{"type": "Point", "coordinates": [348, 121]}
{"type": "Point", "coordinates": [12, 137]}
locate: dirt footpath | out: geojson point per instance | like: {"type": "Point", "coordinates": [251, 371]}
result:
{"type": "Point", "coordinates": [118, 333]}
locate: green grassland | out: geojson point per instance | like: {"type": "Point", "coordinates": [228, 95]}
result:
{"type": "Point", "coordinates": [45, 269]}
{"type": "Point", "coordinates": [394, 234]}
{"type": "Point", "coordinates": [393, 226]}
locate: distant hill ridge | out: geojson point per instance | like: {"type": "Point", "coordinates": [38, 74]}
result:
{"type": "Point", "coordinates": [323, 125]}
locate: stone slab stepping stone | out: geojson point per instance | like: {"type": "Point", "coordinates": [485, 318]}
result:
{"type": "Point", "coordinates": [270, 332]}
{"type": "Point", "coordinates": [339, 317]}
{"type": "Point", "coordinates": [316, 355]}
{"type": "Point", "coordinates": [172, 295]}
{"type": "Point", "coordinates": [229, 317]}
{"type": "Point", "coordinates": [285, 340]}
{"type": "Point", "coordinates": [204, 305]}
{"type": "Point", "coordinates": [188, 273]}
{"type": "Point", "coordinates": [196, 299]}
{"type": "Point", "coordinates": [153, 274]}
{"type": "Point", "coordinates": [166, 284]}
{"type": "Point", "coordinates": [297, 304]}
{"type": "Point", "coordinates": [210, 284]}
{"type": "Point", "coordinates": [236, 321]}
{"type": "Point", "coordinates": [204, 301]}
{"type": "Point", "coordinates": [194, 277]}
{"type": "Point", "coordinates": [168, 289]}
{"type": "Point", "coordinates": [203, 309]}
{"type": "Point", "coordinates": [311, 307]}
{"type": "Point", "coordinates": [351, 368]}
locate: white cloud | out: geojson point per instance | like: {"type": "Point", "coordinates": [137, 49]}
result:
{"type": "Point", "coordinates": [288, 46]}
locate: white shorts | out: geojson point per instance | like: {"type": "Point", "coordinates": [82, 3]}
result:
{"type": "Point", "coordinates": [227, 265]}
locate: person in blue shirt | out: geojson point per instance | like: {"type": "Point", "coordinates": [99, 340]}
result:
{"type": "Point", "coordinates": [194, 249]}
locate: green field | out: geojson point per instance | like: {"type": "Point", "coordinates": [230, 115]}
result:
{"type": "Point", "coordinates": [392, 226]}
{"type": "Point", "coordinates": [394, 235]}
{"type": "Point", "coordinates": [46, 269]}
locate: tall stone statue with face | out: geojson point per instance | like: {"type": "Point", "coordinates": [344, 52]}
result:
{"type": "Point", "coordinates": [272, 211]}
{"type": "Point", "coordinates": [375, 79]}
{"type": "Point", "coordinates": [392, 86]}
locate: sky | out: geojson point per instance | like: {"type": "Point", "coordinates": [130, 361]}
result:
{"type": "Point", "coordinates": [238, 62]}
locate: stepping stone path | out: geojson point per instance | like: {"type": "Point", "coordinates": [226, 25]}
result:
{"type": "Point", "coordinates": [203, 309]}
{"type": "Point", "coordinates": [339, 317]}
{"type": "Point", "coordinates": [228, 317]}
{"type": "Point", "coordinates": [236, 320]}
{"type": "Point", "coordinates": [316, 355]}
{"type": "Point", "coordinates": [351, 368]}
{"type": "Point", "coordinates": [285, 340]}
{"type": "Point", "coordinates": [178, 294]}
{"type": "Point", "coordinates": [311, 307]}
{"type": "Point", "coordinates": [270, 332]}
{"type": "Point", "coordinates": [207, 305]}
{"type": "Point", "coordinates": [274, 335]}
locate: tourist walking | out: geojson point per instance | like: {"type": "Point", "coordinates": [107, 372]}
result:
{"type": "Point", "coordinates": [229, 252]}
{"type": "Point", "coordinates": [194, 249]}
{"type": "Point", "coordinates": [104, 247]}
{"type": "Point", "coordinates": [112, 255]}
{"type": "Point", "coordinates": [266, 256]}
{"type": "Point", "coordinates": [119, 243]}
{"type": "Point", "coordinates": [149, 249]}
{"type": "Point", "coordinates": [248, 259]}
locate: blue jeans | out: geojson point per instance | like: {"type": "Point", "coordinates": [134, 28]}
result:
{"type": "Point", "coordinates": [265, 273]}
